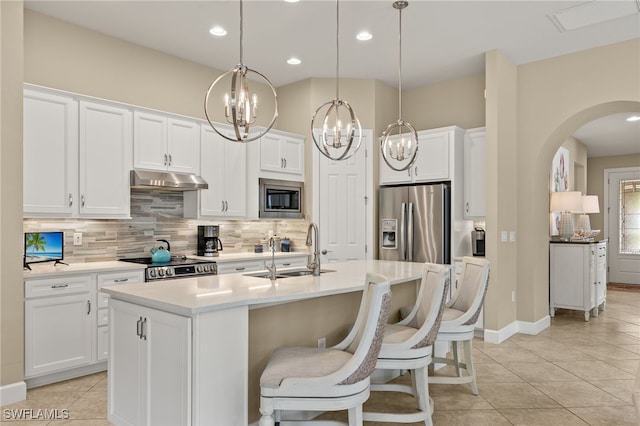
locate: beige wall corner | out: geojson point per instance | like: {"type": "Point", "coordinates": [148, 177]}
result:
{"type": "Point", "coordinates": [556, 96]}
{"type": "Point", "coordinates": [502, 189]}
{"type": "Point", "coordinates": [11, 243]}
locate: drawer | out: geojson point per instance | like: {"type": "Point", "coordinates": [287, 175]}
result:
{"type": "Point", "coordinates": [240, 267]}
{"type": "Point", "coordinates": [121, 277]}
{"type": "Point", "coordinates": [103, 317]}
{"type": "Point", "coordinates": [103, 300]}
{"type": "Point", "coordinates": [294, 261]}
{"type": "Point", "coordinates": [58, 286]}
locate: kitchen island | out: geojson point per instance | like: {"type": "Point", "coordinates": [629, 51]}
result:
{"type": "Point", "coordinates": [180, 349]}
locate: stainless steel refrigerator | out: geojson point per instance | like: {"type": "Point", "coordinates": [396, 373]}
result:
{"type": "Point", "coordinates": [415, 223]}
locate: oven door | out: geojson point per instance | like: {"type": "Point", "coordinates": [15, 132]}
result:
{"type": "Point", "coordinates": [281, 199]}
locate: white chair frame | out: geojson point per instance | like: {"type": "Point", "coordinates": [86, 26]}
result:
{"type": "Point", "coordinates": [461, 329]}
{"type": "Point", "coordinates": [414, 353]}
{"type": "Point", "coordinates": [329, 392]}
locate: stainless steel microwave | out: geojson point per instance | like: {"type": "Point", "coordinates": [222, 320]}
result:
{"type": "Point", "coordinates": [281, 199]}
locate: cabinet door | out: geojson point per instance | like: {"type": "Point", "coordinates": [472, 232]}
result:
{"type": "Point", "coordinates": [149, 366]}
{"type": "Point", "coordinates": [390, 176]}
{"type": "Point", "coordinates": [474, 174]}
{"type": "Point", "coordinates": [242, 266]}
{"type": "Point", "coordinates": [150, 141]}
{"type": "Point", "coordinates": [58, 333]}
{"type": "Point", "coordinates": [271, 158]}
{"type": "Point", "coordinates": [293, 154]}
{"type": "Point", "coordinates": [211, 201]}
{"type": "Point", "coordinates": [183, 143]}
{"type": "Point", "coordinates": [167, 355]}
{"type": "Point", "coordinates": [235, 171]}
{"type": "Point", "coordinates": [432, 162]}
{"type": "Point", "coordinates": [50, 154]}
{"type": "Point", "coordinates": [105, 160]}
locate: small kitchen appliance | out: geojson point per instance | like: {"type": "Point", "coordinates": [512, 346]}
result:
{"type": "Point", "coordinates": [477, 241]}
{"type": "Point", "coordinates": [209, 243]}
{"type": "Point", "coordinates": [176, 267]}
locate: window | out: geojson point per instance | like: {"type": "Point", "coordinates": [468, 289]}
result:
{"type": "Point", "coordinates": [629, 216]}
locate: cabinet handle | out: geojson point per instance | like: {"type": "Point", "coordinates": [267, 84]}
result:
{"type": "Point", "coordinates": [409, 172]}
{"type": "Point", "coordinates": [466, 207]}
{"type": "Point", "coordinates": [121, 280]}
{"type": "Point", "coordinates": [416, 171]}
{"type": "Point", "coordinates": [166, 162]}
{"type": "Point", "coordinates": [88, 307]}
{"type": "Point", "coordinates": [170, 159]}
{"type": "Point", "coordinates": [143, 333]}
{"type": "Point", "coordinates": [241, 269]}
{"type": "Point", "coordinates": [281, 162]}
{"type": "Point", "coordinates": [60, 286]}
{"type": "Point", "coordinates": [285, 163]}
{"type": "Point", "coordinates": [83, 200]}
{"type": "Point", "coordinates": [70, 200]}
{"type": "Point", "coordinates": [139, 328]}
{"type": "Point", "coordinates": [226, 206]}
{"type": "Point", "coordinates": [286, 264]}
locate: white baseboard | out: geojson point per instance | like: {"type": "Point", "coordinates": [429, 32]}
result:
{"type": "Point", "coordinates": [66, 374]}
{"type": "Point", "coordinates": [15, 392]}
{"type": "Point", "coordinates": [524, 327]}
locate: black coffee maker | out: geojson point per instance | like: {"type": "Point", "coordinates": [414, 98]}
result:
{"type": "Point", "coordinates": [208, 242]}
{"type": "Point", "coordinates": [477, 241]}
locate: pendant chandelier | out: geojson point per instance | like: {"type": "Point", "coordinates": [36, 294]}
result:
{"type": "Point", "coordinates": [240, 107]}
{"type": "Point", "coordinates": [399, 143]}
{"type": "Point", "coordinates": [337, 141]}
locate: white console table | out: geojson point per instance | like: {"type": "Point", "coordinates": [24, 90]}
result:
{"type": "Point", "coordinates": [578, 276]}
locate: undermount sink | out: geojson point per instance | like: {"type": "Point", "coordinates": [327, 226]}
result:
{"type": "Point", "coordinates": [287, 273]}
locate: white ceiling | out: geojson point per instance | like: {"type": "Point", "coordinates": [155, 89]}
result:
{"type": "Point", "coordinates": [441, 40]}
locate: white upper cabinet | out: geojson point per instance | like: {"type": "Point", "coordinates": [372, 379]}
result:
{"type": "Point", "coordinates": [474, 173]}
{"type": "Point", "coordinates": [282, 155]}
{"type": "Point", "coordinates": [50, 154]}
{"type": "Point", "coordinates": [77, 156]}
{"type": "Point", "coordinates": [105, 160]}
{"type": "Point", "coordinates": [166, 143]}
{"type": "Point", "coordinates": [432, 163]}
{"type": "Point", "coordinates": [223, 165]}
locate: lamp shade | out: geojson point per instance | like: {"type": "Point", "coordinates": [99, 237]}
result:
{"type": "Point", "coordinates": [567, 201]}
{"type": "Point", "coordinates": [590, 204]}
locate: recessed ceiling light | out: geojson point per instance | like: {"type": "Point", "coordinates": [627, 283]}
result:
{"type": "Point", "coordinates": [364, 35]}
{"type": "Point", "coordinates": [294, 61]}
{"type": "Point", "coordinates": [292, 1]}
{"type": "Point", "coordinates": [218, 31]}
{"type": "Point", "coordinates": [634, 118]}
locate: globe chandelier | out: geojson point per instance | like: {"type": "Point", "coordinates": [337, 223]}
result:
{"type": "Point", "coordinates": [399, 142]}
{"type": "Point", "coordinates": [341, 131]}
{"type": "Point", "coordinates": [240, 107]}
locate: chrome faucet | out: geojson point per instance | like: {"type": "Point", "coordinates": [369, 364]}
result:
{"type": "Point", "coordinates": [314, 264]}
{"type": "Point", "coordinates": [272, 267]}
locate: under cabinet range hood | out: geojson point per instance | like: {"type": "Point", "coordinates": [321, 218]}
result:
{"type": "Point", "coordinates": [148, 179]}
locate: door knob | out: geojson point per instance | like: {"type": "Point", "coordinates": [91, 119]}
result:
{"type": "Point", "coordinates": [326, 251]}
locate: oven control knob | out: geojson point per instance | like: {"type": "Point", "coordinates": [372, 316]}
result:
{"type": "Point", "coordinates": [200, 269]}
{"type": "Point", "coordinates": [161, 272]}
{"type": "Point", "coordinates": [152, 273]}
{"type": "Point", "coordinates": [205, 268]}
{"type": "Point", "coordinates": [169, 272]}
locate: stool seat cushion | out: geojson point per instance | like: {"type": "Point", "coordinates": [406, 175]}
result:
{"type": "Point", "coordinates": [450, 314]}
{"type": "Point", "coordinates": [301, 362]}
{"type": "Point", "coordinates": [395, 333]}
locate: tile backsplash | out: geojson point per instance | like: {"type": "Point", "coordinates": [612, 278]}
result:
{"type": "Point", "coordinates": [157, 214]}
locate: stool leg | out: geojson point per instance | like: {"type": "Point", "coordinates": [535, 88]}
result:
{"type": "Point", "coordinates": [468, 357]}
{"type": "Point", "coordinates": [267, 416]}
{"type": "Point", "coordinates": [355, 416]}
{"type": "Point", "coordinates": [456, 357]}
{"type": "Point", "coordinates": [422, 395]}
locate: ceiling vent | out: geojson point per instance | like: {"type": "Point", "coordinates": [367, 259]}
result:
{"type": "Point", "coordinates": [593, 12]}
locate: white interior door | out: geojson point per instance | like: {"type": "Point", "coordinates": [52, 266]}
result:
{"type": "Point", "coordinates": [622, 198]}
{"type": "Point", "coordinates": [342, 205]}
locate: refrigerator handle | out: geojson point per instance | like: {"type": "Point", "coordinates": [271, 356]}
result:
{"type": "Point", "coordinates": [409, 256]}
{"type": "Point", "coordinates": [403, 232]}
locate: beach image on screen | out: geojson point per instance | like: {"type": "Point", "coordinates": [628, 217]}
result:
{"type": "Point", "coordinates": [43, 246]}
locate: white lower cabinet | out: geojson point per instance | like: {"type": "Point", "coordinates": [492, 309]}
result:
{"type": "Point", "coordinates": [149, 366]}
{"type": "Point", "coordinates": [578, 277]}
{"type": "Point", "coordinates": [59, 318]}
{"type": "Point", "coordinates": [242, 266]}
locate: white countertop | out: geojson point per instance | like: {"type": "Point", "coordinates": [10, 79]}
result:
{"type": "Point", "coordinates": [42, 270]}
{"type": "Point", "coordinates": [190, 296]}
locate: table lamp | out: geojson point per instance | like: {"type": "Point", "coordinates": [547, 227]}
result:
{"type": "Point", "coordinates": [589, 205]}
{"type": "Point", "coordinates": [566, 202]}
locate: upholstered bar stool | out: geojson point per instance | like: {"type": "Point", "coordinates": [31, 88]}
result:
{"type": "Point", "coordinates": [459, 319]}
{"type": "Point", "coordinates": [337, 378]}
{"type": "Point", "coordinates": [407, 345]}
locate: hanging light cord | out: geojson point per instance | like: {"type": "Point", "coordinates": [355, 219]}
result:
{"type": "Point", "coordinates": [337, 49]}
{"type": "Point", "coordinates": [241, 30]}
{"type": "Point", "coordinates": [400, 64]}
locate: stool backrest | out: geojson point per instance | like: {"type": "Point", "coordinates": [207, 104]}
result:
{"type": "Point", "coordinates": [474, 281]}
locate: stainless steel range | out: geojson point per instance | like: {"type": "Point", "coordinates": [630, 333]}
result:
{"type": "Point", "coordinates": [177, 267]}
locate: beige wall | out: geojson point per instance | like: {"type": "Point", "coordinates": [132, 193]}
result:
{"type": "Point", "coordinates": [555, 97]}
{"type": "Point", "coordinates": [596, 180]}
{"type": "Point", "coordinates": [11, 288]}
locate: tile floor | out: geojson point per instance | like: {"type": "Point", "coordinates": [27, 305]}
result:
{"type": "Point", "coordinates": [573, 373]}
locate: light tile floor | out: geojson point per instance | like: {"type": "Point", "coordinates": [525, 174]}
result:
{"type": "Point", "coordinates": [573, 373]}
